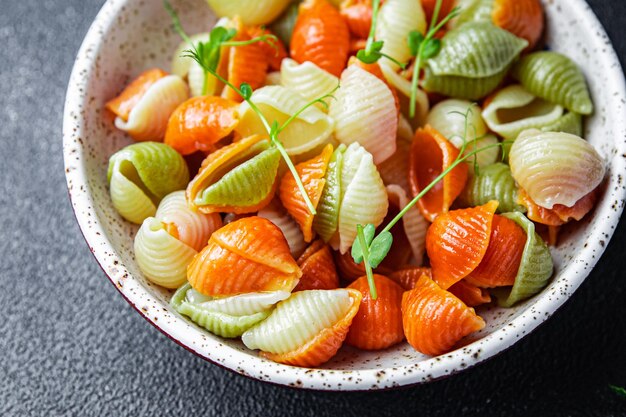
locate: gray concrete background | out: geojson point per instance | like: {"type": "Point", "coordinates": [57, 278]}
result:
{"type": "Point", "coordinates": [70, 345]}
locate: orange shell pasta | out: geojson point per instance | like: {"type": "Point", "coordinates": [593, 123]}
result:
{"type": "Point", "coordinates": [559, 214]}
{"type": "Point", "coordinates": [431, 154]}
{"type": "Point", "coordinates": [247, 255]}
{"type": "Point", "coordinates": [124, 103]}
{"type": "Point", "coordinates": [200, 122]}
{"type": "Point", "coordinates": [212, 165]}
{"type": "Point", "coordinates": [323, 346]}
{"type": "Point", "coordinates": [246, 64]}
{"type": "Point", "coordinates": [274, 49]}
{"type": "Point", "coordinates": [457, 241]}
{"type": "Point", "coordinates": [378, 324]}
{"type": "Point", "coordinates": [358, 15]}
{"type": "Point", "coordinates": [523, 18]}
{"type": "Point", "coordinates": [429, 9]}
{"type": "Point", "coordinates": [408, 276]}
{"type": "Point", "coordinates": [501, 262]}
{"type": "Point", "coordinates": [434, 320]}
{"type": "Point", "coordinates": [312, 174]}
{"type": "Point", "coordinates": [470, 294]}
{"type": "Point", "coordinates": [318, 268]}
{"type": "Point", "coordinates": [321, 36]}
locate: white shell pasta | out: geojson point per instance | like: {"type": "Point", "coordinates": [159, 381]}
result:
{"type": "Point", "coordinates": [414, 224]}
{"type": "Point", "coordinates": [310, 129]}
{"type": "Point", "coordinates": [298, 319]}
{"type": "Point", "coordinates": [555, 168]}
{"type": "Point", "coordinates": [364, 111]}
{"type": "Point", "coordinates": [307, 79]}
{"type": "Point", "coordinates": [193, 227]}
{"type": "Point", "coordinates": [180, 63]}
{"type": "Point", "coordinates": [395, 169]}
{"type": "Point", "coordinates": [258, 12]}
{"type": "Point", "coordinates": [129, 199]}
{"type": "Point", "coordinates": [448, 118]}
{"type": "Point", "coordinates": [513, 110]}
{"type": "Point", "coordinates": [243, 304]}
{"type": "Point", "coordinates": [161, 257]}
{"type": "Point", "coordinates": [148, 118]}
{"type": "Point", "coordinates": [273, 78]}
{"type": "Point", "coordinates": [363, 196]}
{"type": "Point", "coordinates": [275, 213]}
{"type": "Point", "coordinates": [196, 80]}
{"type": "Point", "coordinates": [396, 19]}
{"type": "Point", "coordinates": [487, 156]}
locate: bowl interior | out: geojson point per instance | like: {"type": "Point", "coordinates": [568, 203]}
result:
{"type": "Point", "coordinates": [131, 36]}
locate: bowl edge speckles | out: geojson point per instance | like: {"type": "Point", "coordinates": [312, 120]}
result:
{"type": "Point", "coordinates": [114, 50]}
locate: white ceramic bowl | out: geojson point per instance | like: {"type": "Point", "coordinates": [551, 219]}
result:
{"type": "Point", "coordinates": [129, 36]}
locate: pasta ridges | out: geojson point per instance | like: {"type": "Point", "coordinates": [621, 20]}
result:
{"type": "Point", "coordinates": [523, 18]}
{"type": "Point", "coordinates": [378, 323]}
{"type": "Point", "coordinates": [274, 49]}
{"type": "Point", "coordinates": [457, 241]}
{"type": "Point", "coordinates": [200, 122]}
{"type": "Point", "coordinates": [501, 262]}
{"type": "Point", "coordinates": [318, 268]}
{"type": "Point", "coordinates": [324, 345]}
{"type": "Point", "coordinates": [130, 96]}
{"type": "Point", "coordinates": [312, 174]}
{"type": "Point", "coordinates": [375, 70]}
{"type": "Point", "coordinates": [321, 36]}
{"type": "Point", "coordinates": [434, 320]}
{"type": "Point", "coordinates": [409, 276]}
{"type": "Point", "coordinates": [358, 15]}
{"type": "Point", "coordinates": [431, 154]}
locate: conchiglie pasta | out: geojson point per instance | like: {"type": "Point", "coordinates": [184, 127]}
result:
{"type": "Point", "coordinates": [363, 196]}
{"type": "Point", "coordinates": [321, 36]}
{"type": "Point", "coordinates": [141, 174]}
{"type": "Point", "coordinates": [147, 119]}
{"type": "Point", "coordinates": [556, 78]}
{"type": "Point", "coordinates": [523, 18]}
{"type": "Point", "coordinates": [283, 26]}
{"type": "Point", "coordinates": [396, 19]}
{"type": "Point", "coordinates": [310, 129]}
{"type": "Point", "coordinates": [493, 182]}
{"type": "Point", "coordinates": [318, 268]}
{"type": "Point", "coordinates": [258, 12]}
{"type": "Point", "coordinates": [327, 217]}
{"type": "Point", "coordinates": [568, 123]}
{"type": "Point", "coordinates": [434, 320]}
{"type": "Point", "coordinates": [513, 110]}
{"type": "Point", "coordinates": [307, 79]}
{"type": "Point", "coordinates": [364, 111]}
{"type": "Point", "coordinates": [457, 241]}
{"type": "Point", "coordinates": [395, 169]}
{"type": "Point", "coordinates": [247, 255]}
{"type": "Point", "coordinates": [555, 168]}
{"type": "Point", "coordinates": [471, 295]}
{"type": "Point", "coordinates": [473, 11]}
{"type": "Point", "coordinates": [408, 277]}
{"type": "Point", "coordinates": [161, 257]}
{"type": "Point", "coordinates": [535, 269]}
{"type": "Point", "coordinates": [276, 213]}
{"type": "Point", "coordinates": [457, 120]}
{"type": "Point", "coordinates": [180, 63]}
{"type": "Point", "coordinates": [238, 178]}
{"type": "Point", "coordinates": [307, 329]}
{"type": "Point", "coordinates": [190, 227]}
{"type": "Point", "coordinates": [358, 15]}
{"type": "Point", "coordinates": [461, 69]}
{"type": "Point", "coordinates": [378, 323]}
{"type": "Point", "coordinates": [489, 151]}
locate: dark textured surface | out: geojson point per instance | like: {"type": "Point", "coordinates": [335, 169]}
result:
{"type": "Point", "coordinates": [72, 346]}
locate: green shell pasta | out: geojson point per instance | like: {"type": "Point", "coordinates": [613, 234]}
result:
{"type": "Point", "coordinates": [571, 123]}
{"type": "Point", "coordinates": [473, 60]}
{"type": "Point", "coordinates": [513, 110]}
{"type": "Point", "coordinates": [245, 185]}
{"type": "Point", "coordinates": [493, 182]}
{"type": "Point", "coordinates": [556, 78]}
{"type": "Point", "coordinates": [325, 221]}
{"type": "Point", "coordinates": [141, 174]}
{"type": "Point", "coordinates": [535, 268]}
{"type": "Point", "coordinates": [226, 317]}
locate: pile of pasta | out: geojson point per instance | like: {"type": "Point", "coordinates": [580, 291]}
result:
{"type": "Point", "coordinates": [247, 256]}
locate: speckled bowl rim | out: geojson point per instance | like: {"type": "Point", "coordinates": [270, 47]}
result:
{"type": "Point", "coordinates": [543, 306]}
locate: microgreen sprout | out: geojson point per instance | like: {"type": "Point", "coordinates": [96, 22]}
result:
{"type": "Point", "coordinates": [206, 54]}
{"type": "Point", "coordinates": [425, 47]}
{"type": "Point", "coordinates": [377, 247]}
{"type": "Point", "coordinates": [618, 390]}
{"type": "Point", "coordinates": [373, 48]}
